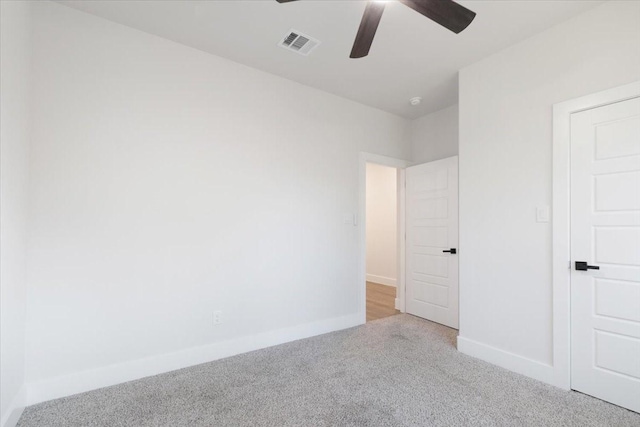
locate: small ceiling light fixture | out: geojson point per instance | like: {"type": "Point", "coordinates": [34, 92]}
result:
{"type": "Point", "coordinates": [416, 100]}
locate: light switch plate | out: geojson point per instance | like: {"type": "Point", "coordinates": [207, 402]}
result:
{"type": "Point", "coordinates": [542, 214]}
{"type": "Point", "coordinates": [350, 219]}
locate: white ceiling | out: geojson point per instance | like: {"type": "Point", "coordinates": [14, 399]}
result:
{"type": "Point", "coordinates": [411, 55]}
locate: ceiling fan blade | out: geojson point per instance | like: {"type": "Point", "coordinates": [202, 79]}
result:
{"type": "Point", "coordinates": [285, 1]}
{"type": "Point", "coordinates": [447, 13]}
{"type": "Point", "coordinates": [367, 30]}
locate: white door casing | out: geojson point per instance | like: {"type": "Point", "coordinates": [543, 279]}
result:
{"type": "Point", "coordinates": [605, 232]}
{"type": "Point", "coordinates": [431, 229]}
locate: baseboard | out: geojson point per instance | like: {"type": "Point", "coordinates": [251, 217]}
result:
{"type": "Point", "coordinates": [381, 280]}
{"type": "Point", "coordinates": [397, 304]}
{"type": "Point", "coordinates": [513, 362]}
{"type": "Point", "coordinates": [80, 382]}
{"type": "Point", "coordinates": [14, 412]}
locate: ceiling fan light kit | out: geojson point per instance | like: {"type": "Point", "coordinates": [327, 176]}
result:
{"type": "Point", "coordinates": [447, 13]}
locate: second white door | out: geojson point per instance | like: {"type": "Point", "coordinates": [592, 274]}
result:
{"type": "Point", "coordinates": [432, 241]}
{"type": "Point", "coordinates": [605, 247]}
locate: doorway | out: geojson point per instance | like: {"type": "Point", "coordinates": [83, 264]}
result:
{"type": "Point", "coordinates": [426, 240]}
{"type": "Point", "coordinates": [381, 241]}
{"type": "Point", "coordinates": [384, 298]}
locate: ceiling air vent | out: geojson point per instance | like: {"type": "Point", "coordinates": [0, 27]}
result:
{"type": "Point", "coordinates": [298, 42]}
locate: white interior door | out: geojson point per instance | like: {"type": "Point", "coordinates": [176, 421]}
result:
{"type": "Point", "coordinates": [432, 241]}
{"type": "Point", "coordinates": [605, 234]}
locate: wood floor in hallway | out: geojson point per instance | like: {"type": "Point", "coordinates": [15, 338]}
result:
{"type": "Point", "coordinates": [381, 301]}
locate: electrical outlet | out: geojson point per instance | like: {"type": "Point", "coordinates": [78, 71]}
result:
{"type": "Point", "coordinates": [217, 317]}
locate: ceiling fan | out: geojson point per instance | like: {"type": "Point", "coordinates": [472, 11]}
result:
{"type": "Point", "coordinates": [447, 13]}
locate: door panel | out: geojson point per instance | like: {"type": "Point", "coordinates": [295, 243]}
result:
{"type": "Point", "coordinates": [605, 232]}
{"type": "Point", "coordinates": [432, 227]}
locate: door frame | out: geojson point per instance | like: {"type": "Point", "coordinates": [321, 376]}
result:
{"type": "Point", "coordinates": [561, 223]}
{"type": "Point", "coordinates": [400, 165]}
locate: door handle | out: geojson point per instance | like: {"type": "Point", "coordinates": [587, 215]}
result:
{"type": "Point", "coordinates": [452, 251]}
{"type": "Point", "coordinates": [583, 266]}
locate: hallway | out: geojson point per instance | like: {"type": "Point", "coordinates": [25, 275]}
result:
{"type": "Point", "coordinates": [381, 300]}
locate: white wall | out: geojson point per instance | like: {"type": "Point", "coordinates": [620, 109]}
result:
{"type": "Point", "coordinates": [15, 54]}
{"type": "Point", "coordinates": [168, 183]}
{"type": "Point", "coordinates": [435, 136]}
{"type": "Point", "coordinates": [505, 172]}
{"type": "Point", "coordinates": [382, 224]}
